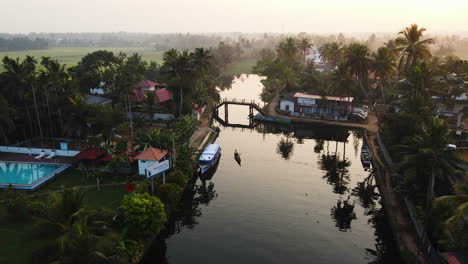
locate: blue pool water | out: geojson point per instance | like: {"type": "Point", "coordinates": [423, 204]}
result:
{"type": "Point", "coordinates": [25, 173]}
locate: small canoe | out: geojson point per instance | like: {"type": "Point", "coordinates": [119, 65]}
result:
{"type": "Point", "coordinates": [237, 158]}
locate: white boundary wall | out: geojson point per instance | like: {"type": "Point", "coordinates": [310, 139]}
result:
{"type": "Point", "coordinates": [37, 151]}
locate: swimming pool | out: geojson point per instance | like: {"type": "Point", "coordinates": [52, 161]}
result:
{"type": "Point", "coordinates": [22, 175]}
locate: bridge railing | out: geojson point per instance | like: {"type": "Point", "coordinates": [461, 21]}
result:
{"type": "Point", "coordinates": [243, 101]}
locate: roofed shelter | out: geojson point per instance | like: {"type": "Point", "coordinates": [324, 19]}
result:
{"type": "Point", "coordinates": [150, 157]}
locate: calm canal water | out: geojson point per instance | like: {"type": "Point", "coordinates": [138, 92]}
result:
{"type": "Point", "coordinates": [300, 196]}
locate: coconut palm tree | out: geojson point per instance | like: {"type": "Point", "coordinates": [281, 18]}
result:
{"type": "Point", "coordinates": [340, 82]}
{"type": "Point", "coordinates": [452, 210]}
{"type": "Point", "coordinates": [412, 47]}
{"type": "Point", "coordinates": [332, 52]}
{"type": "Point", "coordinates": [358, 62]}
{"type": "Point", "coordinates": [76, 123]}
{"type": "Point", "coordinates": [6, 119]}
{"type": "Point", "coordinates": [21, 76]}
{"type": "Point", "coordinates": [428, 151]}
{"type": "Point", "coordinates": [384, 66]}
{"type": "Point", "coordinates": [179, 67]}
{"type": "Point", "coordinates": [201, 60]}
{"type": "Point", "coordinates": [304, 45]}
{"type": "Point", "coordinates": [53, 80]}
{"type": "Point", "coordinates": [288, 51]}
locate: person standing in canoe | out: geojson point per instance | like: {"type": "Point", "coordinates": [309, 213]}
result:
{"type": "Point", "coordinates": [237, 157]}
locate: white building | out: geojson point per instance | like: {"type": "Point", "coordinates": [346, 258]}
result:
{"type": "Point", "coordinates": [314, 55]}
{"type": "Point", "coordinates": [287, 104]}
{"type": "Point", "coordinates": [151, 157]}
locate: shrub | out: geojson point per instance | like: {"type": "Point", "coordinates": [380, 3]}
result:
{"type": "Point", "coordinates": [169, 195]}
{"type": "Point", "coordinates": [143, 214]}
{"type": "Point", "coordinates": [177, 177]}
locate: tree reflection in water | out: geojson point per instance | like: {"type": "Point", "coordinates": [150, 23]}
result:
{"type": "Point", "coordinates": [285, 147]}
{"type": "Point", "coordinates": [336, 170]}
{"type": "Point", "coordinates": [343, 214]}
{"type": "Point", "coordinates": [385, 250]}
{"type": "Point", "coordinates": [186, 217]}
{"type": "Point", "coordinates": [367, 193]}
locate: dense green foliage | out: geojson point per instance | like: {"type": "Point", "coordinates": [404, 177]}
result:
{"type": "Point", "coordinates": [143, 214]}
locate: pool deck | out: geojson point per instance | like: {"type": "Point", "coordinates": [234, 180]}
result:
{"type": "Point", "coordinates": [7, 156]}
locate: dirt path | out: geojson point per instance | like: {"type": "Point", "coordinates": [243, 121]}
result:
{"type": "Point", "coordinates": [401, 227]}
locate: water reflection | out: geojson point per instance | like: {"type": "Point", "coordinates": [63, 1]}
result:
{"type": "Point", "coordinates": [343, 214]}
{"type": "Point", "coordinates": [225, 82]}
{"type": "Point", "coordinates": [186, 217]}
{"type": "Point", "coordinates": [367, 193]}
{"type": "Point", "coordinates": [265, 230]}
{"type": "Point", "coordinates": [336, 169]}
{"type": "Point", "coordinates": [285, 147]}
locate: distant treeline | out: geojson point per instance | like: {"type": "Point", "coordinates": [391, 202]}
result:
{"type": "Point", "coordinates": [22, 43]}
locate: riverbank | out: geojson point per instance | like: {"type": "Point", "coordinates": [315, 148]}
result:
{"type": "Point", "coordinates": [399, 223]}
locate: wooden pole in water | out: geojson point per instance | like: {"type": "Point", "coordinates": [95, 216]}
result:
{"type": "Point", "coordinates": [226, 114]}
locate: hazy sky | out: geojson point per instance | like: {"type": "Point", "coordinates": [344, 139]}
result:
{"type": "Point", "coordinates": [313, 16]}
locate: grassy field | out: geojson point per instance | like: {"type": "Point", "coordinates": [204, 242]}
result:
{"type": "Point", "coordinates": [71, 56]}
{"type": "Point", "coordinates": [243, 66]}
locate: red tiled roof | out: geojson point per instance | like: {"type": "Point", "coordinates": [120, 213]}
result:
{"type": "Point", "coordinates": [138, 96]}
{"type": "Point", "coordinates": [90, 154]}
{"type": "Point", "coordinates": [330, 98]}
{"type": "Point", "coordinates": [163, 95]}
{"type": "Point", "coordinates": [152, 154]}
{"type": "Point", "coordinates": [147, 83]}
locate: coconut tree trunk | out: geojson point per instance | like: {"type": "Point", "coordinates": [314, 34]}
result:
{"type": "Point", "coordinates": [181, 100]}
{"type": "Point", "coordinates": [37, 113]}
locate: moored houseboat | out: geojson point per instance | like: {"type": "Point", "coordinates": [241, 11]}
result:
{"type": "Point", "coordinates": [209, 157]}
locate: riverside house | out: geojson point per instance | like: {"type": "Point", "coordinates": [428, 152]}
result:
{"type": "Point", "coordinates": [317, 106]}
{"type": "Point", "coordinates": [162, 95]}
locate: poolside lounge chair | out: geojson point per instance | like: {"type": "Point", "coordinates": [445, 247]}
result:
{"type": "Point", "coordinates": [40, 155]}
{"type": "Point", "coordinates": [52, 154]}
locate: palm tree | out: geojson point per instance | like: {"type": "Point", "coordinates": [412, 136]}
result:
{"type": "Point", "coordinates": [201, 60]}
{"type": "Point", "coordinates": [452, 210]}
{"type": "Point", "coordinates": [304, 45]}
{"type": "Point", "coordinates": [412, 46]}
{"type": "Point", "coordinates": [428, 149]}
{"type": "Point", "coordinates": [53, 80]}
{"type": "Point", "coordinates": [6, 118]}
{"type": "Point", "coordinates": [384, 66]}
{"type": "Point", "coordinates": [288, 51]}
{"type": "Point", "coordinates": [29, 65]}
{"type": "Point", "coordinates": [332, 52]}
{"type": "Point", "coordinates": [21, 76]}
{"type": "Point", "coordinates": [161, 139]}
{"type": "Point", "coordinates": [180, 69]}
{"type": "Point", "coordinates": [358, 62]}
{"type": "Point", "coordinates": [76, 123]}
{"type": "Point", "coordinates": [340, 82]}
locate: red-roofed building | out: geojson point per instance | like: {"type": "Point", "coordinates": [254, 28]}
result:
{"type": "Point", "coordinates": [150, 157]}
{"type": "Point", "coordinates": [162, 95]}
{"type": "Point", "coordinates": [148, 85]}
{"type": "Point", "coordinates": [303, 104]}
{"type": "Point", "coordinates": [90, 154]}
